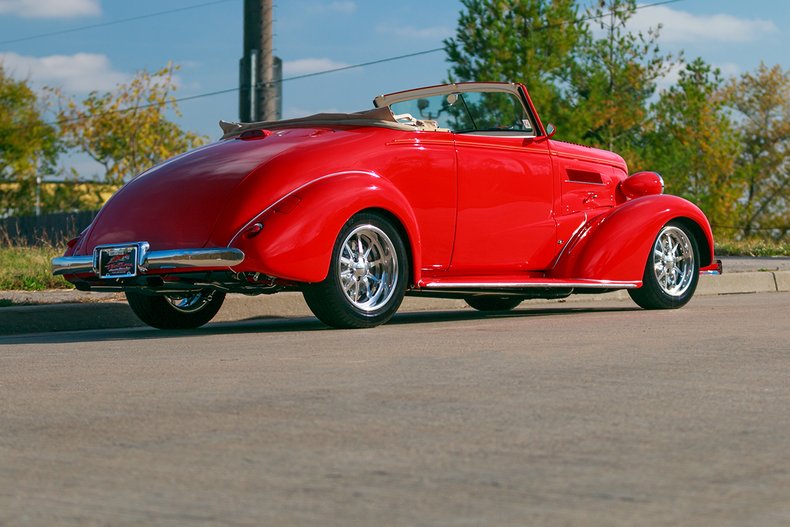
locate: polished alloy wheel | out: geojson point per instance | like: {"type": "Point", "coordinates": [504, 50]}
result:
{"type": "Point", "coordinates": [673, 261]}
{"type": "Point", "coordinates": [190, 303]}
{"type": "Point", "coordinates": [367, 275]}
{"type": "Point", "coordinates": [368, 268]}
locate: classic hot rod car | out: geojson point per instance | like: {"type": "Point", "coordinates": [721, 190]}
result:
{"type": "Point", "coordinates": [455, 190]}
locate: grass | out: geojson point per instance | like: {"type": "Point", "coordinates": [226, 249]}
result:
{"type": "Point", "coordinates": [753, 247]}
{"type": "Point", "coordinates": [28, 268]}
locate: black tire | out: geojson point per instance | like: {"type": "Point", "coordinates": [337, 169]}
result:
{"type": "Point", "coordinates": [671, 271]}
{"type": "Point", "coordinates": [367, 275]}
{"type": "Point", "coordinates": [493, 303]}
{"type": "Point", "coordinates": [174, 312]}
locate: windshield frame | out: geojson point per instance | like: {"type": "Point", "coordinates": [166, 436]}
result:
{"type": "Point", "coordinates": [516, 90]}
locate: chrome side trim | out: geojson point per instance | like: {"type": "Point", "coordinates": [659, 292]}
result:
{"type": "Point", "coordinates": [529, 285]}
{"type": "Point", "coordinates": [569, 241]}
{"type": "Point", "coordinates": [150, 260]}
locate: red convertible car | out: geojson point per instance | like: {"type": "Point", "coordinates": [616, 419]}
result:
{"type": "Point", "coordinates": [451, 191]}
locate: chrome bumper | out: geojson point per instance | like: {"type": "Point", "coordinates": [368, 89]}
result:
{"type": "Point", "coordinates": [153, 260]}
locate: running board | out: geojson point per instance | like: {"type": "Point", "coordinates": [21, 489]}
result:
{"type": "Point", "coordinates": [488, 282]}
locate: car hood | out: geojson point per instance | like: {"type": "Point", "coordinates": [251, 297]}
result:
{"type": "Point", "coordinates": [179, 203]}
{"type": "Point", "coordinates": [589, 153]}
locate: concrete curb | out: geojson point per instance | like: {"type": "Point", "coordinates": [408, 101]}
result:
{"type": "Point", "coordinates": [117, 314]}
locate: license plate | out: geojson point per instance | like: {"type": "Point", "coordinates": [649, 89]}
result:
{"type": "Point", "coordinates": [116, 262]}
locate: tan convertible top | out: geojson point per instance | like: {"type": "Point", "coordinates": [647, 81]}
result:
{"type": "Point", "coordinates": [381, 117]}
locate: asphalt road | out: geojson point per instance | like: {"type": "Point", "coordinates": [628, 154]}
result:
{"type": "Point", "coordinates": [582, 414]}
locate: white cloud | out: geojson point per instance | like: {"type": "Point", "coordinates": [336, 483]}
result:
{"type": "Point", "coordinates": [79, 73]}
{"type": "Point", "coordinates": [422, 33]}
{"type": "Point", "coordinates": [345, 7]}
{"type": "Point", "coordinates": [671, 78]}
{"type": "Point", "coordinates": [680, 27]}
{"type": "Point", "coordinates": [305, 66]}
{"type": "Point", "coordinates": [342, 6]}
{"type": "Point", "coordinates": [728, 69]}
{"type": "Point", "coordinates": [50, 8]}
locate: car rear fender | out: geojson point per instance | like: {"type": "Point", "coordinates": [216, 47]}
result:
{"type": "Point", "coordinates": [300, 229]}
{"type": "Point", "coordinates": [616, 245]}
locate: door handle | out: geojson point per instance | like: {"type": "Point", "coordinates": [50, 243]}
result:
{"type": "Point", "coordinates": [591, 196]}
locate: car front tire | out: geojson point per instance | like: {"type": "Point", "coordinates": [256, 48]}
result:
{"type": "Point", "coordinates": [367, 275]}
{"type": "Point", "coordinates": [672, 269]}
{"type": "Point", "coordinates": [186, 311]}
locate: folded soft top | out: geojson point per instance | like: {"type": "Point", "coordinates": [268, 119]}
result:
{"type": "Point", "coordinates": [381, 117]}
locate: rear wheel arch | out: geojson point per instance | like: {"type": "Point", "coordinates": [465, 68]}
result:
{"type": "Point", "coordinates": [324, 208]}
{"type": "Point", "coordinates": [404, 233]}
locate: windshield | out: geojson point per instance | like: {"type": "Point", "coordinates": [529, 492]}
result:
{"type": "Point", "coordinates": [467, 112]}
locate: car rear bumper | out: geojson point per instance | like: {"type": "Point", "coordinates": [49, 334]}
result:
{"type": "Point", "coordinates": [191, 259]}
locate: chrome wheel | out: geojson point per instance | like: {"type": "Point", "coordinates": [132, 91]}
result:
{"type": "Point", "coordinates": [367, 277]}
{"type": "Point", "coordinates": [672, 269]}
{"type": "Point", "coordinates": [368, 268]}
{"type": "Point", "coordinates": [673, 261]}
{"type": "Point", "coordinates": [190, 303]}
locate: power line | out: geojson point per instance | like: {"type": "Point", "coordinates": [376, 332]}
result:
{"type": "Point", "coordinates": [230, 90]}
{"type": "Point", "coordinates": [325, 72]}
{"type": "Point", "coordinates": [113, 22]}
{"type": "Point", "coordinates": [363, 64]}
{"type": "Point", "coordinates": [593, 17]}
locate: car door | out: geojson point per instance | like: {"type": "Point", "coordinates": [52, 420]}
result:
{"type": "Point", "coordinates": [505, 221]}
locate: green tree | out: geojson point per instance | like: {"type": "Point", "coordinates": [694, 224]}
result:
{"type": "Point", "coordinates": [529, 41]}
{"type": "Point", "coordinates": [29, 147]}
{"type": "Point", "coordinates": [127, 131]}
{"type": "Point", "coordinates": [762, 103]}
{"type": "Point", "coordinates": [612, 80]}
{"type": "Point", "coordinates": [694, 145]}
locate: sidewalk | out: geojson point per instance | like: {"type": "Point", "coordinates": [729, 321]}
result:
{"type": "Point", "coordinates": [69, 310]}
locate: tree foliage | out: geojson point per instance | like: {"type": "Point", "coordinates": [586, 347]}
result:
{"type": "Point", "coordinates": [761, 101]}
{"type": "Point", "coordinates": [127, 130]}
{"type": "Point", "coordinates": [721, 145]}
{"type": "Point", "coordinates": [527, 40]}
{"type": "Point", "coordinates": [694, 144]}
{"type": "Point", "coordinates": [29, 147]}
{"type": "Point", "coordinates": [613, 79]}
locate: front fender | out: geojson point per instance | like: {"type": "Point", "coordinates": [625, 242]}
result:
{"type": "Point", "coordinates": [615, 246]}
{"type": "Point", "coordinates": [299, 230]}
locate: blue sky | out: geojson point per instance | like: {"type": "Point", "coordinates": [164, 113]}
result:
{"type": "Point", "coordinates": [315, 35]}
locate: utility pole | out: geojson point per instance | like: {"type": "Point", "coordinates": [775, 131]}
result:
{"type": "Point", "coordinates": [259, 70]}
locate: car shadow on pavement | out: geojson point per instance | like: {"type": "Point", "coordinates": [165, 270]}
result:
{"type": "Point", "coordinates": [291, 325]}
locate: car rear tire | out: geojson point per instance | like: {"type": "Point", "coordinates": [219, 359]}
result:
{"type": "Point", "coordinates": [367, 275]}
{"type": "Point", "coordinates": [672, 269]}
{"type": "Point", "coordinates": [186, 311]}
{"type": "Point", "coordinates": [493, 303]}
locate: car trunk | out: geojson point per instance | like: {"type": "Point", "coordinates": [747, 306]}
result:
{"type": "Point", "coordinates": [175, 204]}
